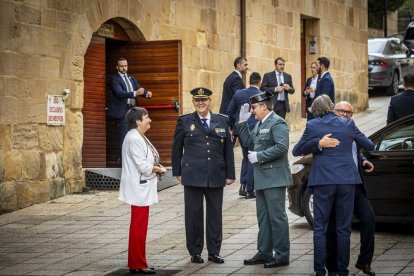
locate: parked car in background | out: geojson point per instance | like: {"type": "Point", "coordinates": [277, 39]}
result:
{"type": "Point", "coordinates": [390, 187]}
{"type": "Point", "coordinates": [409, 36]}
{"type": "Point", "coordinates": [388, 62]}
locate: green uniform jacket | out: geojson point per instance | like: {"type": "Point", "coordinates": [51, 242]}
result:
{"type": "Point", "coordinates": [271, 142]}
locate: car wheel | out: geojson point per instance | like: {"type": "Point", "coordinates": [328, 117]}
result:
{"type": "Point", "coordinates": [307, 203]}
{"type": "Point", "coordinates": [393, 88]}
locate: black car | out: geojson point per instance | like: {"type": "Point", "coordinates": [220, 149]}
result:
{"type": "Point", "coordinates": [390, 187]}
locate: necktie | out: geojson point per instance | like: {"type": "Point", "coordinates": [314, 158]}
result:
{"type": "Point", "coordinates": [204, 120]}
{"type": "Point", "coordinates": [128, 84]}
{"type": "Point", "coordinates": [281, 96]}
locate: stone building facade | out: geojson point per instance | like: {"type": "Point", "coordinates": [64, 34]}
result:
{"type": "Point", "coordinates": [42, 52]}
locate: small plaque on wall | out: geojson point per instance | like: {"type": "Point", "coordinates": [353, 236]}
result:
{"type": "Point", "coordinates": [106, 30]}
{"type": "Point", "coordinates": [55, 110]}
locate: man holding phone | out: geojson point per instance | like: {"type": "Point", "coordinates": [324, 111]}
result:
{"type": "Point", "coordinates": [280, 84]}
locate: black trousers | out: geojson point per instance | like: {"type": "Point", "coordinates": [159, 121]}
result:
{"type": "Point", "coordinates": [194, 219]}
{"type": "Point", "coordinates": [280, 109]}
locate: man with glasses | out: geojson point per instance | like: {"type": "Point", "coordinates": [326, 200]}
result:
{"type": "Point", "coordinates": [332, 180]}
{"type": "Point", "coordinates": [203, 161]}
{"type": "Point", "coordinates": [362, 207]}
{"type": "Point", "coordinates": [280, 84]}
{"type": "Point", "coordinates": [270, 142]}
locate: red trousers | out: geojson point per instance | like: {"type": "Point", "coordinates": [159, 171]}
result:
{"type": "Point", "coordinates": [138, 237]}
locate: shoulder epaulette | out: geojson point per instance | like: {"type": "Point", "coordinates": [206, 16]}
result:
{"type": "Point", "coordinates": [224, 115]}
{"type": "Point", "coordinates": [183, 115]}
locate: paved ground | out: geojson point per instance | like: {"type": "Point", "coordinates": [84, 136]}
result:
{"type": "Point", "coordinates": [87, 234]}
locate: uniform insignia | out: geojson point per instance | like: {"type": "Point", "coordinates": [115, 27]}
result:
{"type": "Point", "coordinates": [224, 115]}
{"type": "Point", "coordinates": [222, 140]}
{"type": "Point", "coordinates": [264, 130]}
{"type": "Point", "coordinates": [192, 127]}
{"type": "Point", "coordinates": [219, 130]}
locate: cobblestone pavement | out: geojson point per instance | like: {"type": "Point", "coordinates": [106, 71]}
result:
{"type": "Point", "coordinates": [87, 234]}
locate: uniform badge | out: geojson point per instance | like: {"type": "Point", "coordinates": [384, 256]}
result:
{"type": "Point", "coordinates": [192, 127]}
{"type": "Point", "coordinates": [264, 130]}
{"type": "Point", "coordinates": [220, 130]}
{"type": "Point", "coordinates": [222, 140]}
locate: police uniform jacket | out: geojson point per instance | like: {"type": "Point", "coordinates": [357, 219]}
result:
{"type": "Point", "coordinates": [271, 142]}
{"type": "Point", "coordinates": [203, 158]}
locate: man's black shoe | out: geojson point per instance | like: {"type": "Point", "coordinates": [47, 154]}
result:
{"type": "Point", "coordinates": [216, 259]}
{"type": "Point", "coordinates": [365, 268]}
{"type": "Point", "coordinates": [242, 192]}
{"type": "Point", "coordinates": [142, 271]}
{"type": "Point", "coordinates": [254, 261]}
{"type": "Point", "coordinates": [275, 263]}
{"type": "Point", "coordinates": [197, 259]}
{"type": "Point", "coordinates": [250, 195]}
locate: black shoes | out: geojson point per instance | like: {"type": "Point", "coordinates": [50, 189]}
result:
{"type": "Point", "coordinates": [216, 259]}
{"type": "Point", "coordinates": [275, 263]}
{"type": "Point", "coordinates": [250, 195]}
{"type": "Point", "coordinates": [254, 261]}
{"type": "Point", "coordinates": [149, 270]}
{"type": "Point", "coordinates": [365, 268]}
{"type": "Point", "coordinates": [242, 192]}
{"type": "Point", "coordinates": [197, 259]}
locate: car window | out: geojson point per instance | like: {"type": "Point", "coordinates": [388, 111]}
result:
{"type": "Point", "coordinates": [375, 46]}
{"type": "Point", "coordinates": [395, 49]}
{"type": "Point", "coordinates": [398, 138]}
{"type": "Point", "coordinates": [409, 34]}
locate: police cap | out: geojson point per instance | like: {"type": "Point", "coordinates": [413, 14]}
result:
{"type": "Point", "coordinates": [262, 96]}
{"type": "Point", "coordinates": [201, 92]}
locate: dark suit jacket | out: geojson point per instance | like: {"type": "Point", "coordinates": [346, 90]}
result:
{"type": "Point", "coordinates": [401, 105]}
{"type": "Point", "coordinates": [270, 82]}
{"type": "Point", "coordinates": [203, 158]}
{"type": "Point", "coordinates": [326, 86]}
{"type": "Point", "coordinates": [240, 98]}
{"type": "Point", "coordinates": [232, 83]}
{"type": "Point", "coordinates": [332, 165]}
{"type": "Point", "coordinates": [119, 101]}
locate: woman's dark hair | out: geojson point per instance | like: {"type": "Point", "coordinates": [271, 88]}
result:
{"type": "Point", "coordinates": [133, 115]}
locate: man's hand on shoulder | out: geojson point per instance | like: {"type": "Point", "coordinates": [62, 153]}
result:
{"type": "Point", "coordinates": [328, 142]}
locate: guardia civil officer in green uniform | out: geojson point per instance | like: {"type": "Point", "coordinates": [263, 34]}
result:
{"type": "Point", "coordinates": [271, 176]}
{"type": "Point", "coordinates": [203, 161]}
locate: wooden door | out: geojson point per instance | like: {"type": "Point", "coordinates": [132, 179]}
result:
{"type": "Point", "coordinates": [94, 130]}
{"type": "Point", "coordinates": [157, 67]}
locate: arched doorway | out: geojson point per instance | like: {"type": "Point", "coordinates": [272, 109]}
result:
{"type": "Point", "coordinates": [157, 67]}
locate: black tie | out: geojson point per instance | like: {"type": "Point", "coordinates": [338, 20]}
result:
{"type": "Point", "coordinates": [204, 120]}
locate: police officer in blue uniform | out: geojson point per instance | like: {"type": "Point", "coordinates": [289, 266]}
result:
{"type": "Point", "coordinates": [203, 161]}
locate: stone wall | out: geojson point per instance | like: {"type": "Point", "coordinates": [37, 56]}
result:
{"type": "Point", "coordinates": [42, 47]}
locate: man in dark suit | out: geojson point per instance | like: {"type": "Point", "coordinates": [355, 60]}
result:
{"type": "Point", "coordinates": [270, 141]}
{"type": "Point", "coordinates": [310, 88]}
{"type": "Point", "coordinates": [203, 161]}
{"type": "Point", "coordinates": [332, 179]}
{"type": "Point", "coordinates": [240, 98]}
{"type": "Point", "coordinates": [362, 207]}
{"type": "Point", "coordinates": [279, 83]}
{"type": "Point", "coordinates": [402, 104]}
{"type": "Point", "coordinates": [325, 84]}
{"type": "Point", "coordinates": [233, 82]}
{"type": "Point", "coordinates": [125, 89]}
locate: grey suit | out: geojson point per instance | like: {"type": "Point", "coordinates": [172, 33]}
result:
{"type": "Point", "coordinates": [271, 176]}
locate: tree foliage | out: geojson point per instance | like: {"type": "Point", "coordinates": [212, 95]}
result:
{"type": "Point", "coordinates": [376, 11]}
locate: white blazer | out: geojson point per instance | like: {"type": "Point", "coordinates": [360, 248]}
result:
{"type": "Point", "coordinates": [138, 184]}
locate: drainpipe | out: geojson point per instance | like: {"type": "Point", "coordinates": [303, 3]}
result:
{"type": "Point", "coordinates": [243, 32]}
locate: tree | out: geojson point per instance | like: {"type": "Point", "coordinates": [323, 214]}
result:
{"type": "Point", "coordinates": [376, 11]}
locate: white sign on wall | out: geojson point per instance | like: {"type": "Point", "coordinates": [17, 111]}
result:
{"type": "Point", "coordinates": [55, 110]}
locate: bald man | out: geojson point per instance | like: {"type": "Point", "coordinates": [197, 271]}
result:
{"type": "Point", "coordinates": [362, 207]}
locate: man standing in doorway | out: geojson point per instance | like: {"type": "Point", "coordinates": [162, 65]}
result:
{"type": "Point", "coordinates": [325, 83]}
{"type": "Point", "coordinates": [233, 82]}
{"type": "Point", "coordinates": [125, 89]}
{"type": "Point", "coordinates": [279, 83]}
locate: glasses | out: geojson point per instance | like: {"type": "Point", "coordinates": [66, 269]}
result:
{"type": "Point", "coordinates": [254, 106]}
{"type": "Point", "coordinates": [344, 112]}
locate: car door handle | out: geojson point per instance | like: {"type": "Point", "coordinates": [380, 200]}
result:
{"type": "Point", "coordinates": [379, 155]}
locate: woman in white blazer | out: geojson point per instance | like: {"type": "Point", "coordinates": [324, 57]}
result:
{"type": "Point", "coordinates": [139, 177]}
